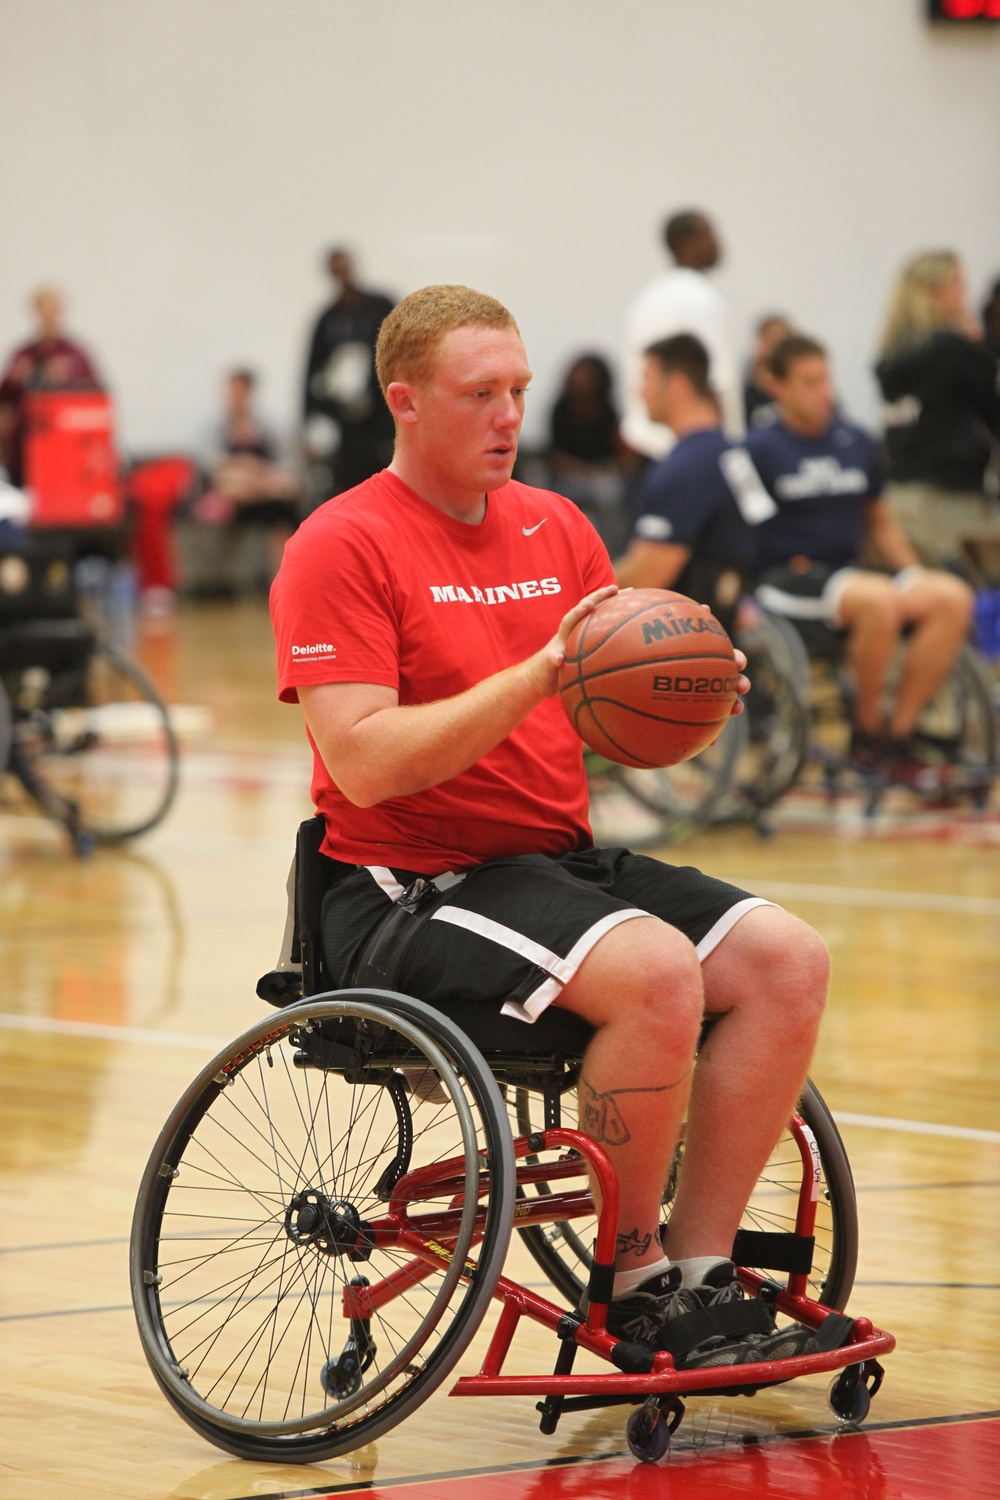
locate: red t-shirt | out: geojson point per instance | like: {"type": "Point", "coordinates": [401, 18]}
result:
{"type": "Point", "coordinates": [379, 586]}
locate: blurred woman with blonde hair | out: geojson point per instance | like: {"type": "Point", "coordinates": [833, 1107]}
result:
{"type": "Point", "coordinates": [939, 382]}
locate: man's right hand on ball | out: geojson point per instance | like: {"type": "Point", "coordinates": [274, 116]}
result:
{"type": "Point", "coordinates": [543, 667]}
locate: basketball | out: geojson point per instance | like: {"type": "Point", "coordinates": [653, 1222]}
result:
{"type": "Point", "coordinates": [649, 678]}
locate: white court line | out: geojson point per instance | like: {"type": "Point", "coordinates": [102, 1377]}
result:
{"type": "Point", "coordinates": [186, 1040]}
{"type": "Point", "coordinates": [849, 895]}
{"type": "Point", "coordinates": [103, 1033]}
{"type": "Point", "coordinates": [918, 1127]}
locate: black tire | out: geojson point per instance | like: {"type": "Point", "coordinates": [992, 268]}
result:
{"type": "Point", "coordinates": [961, 724]}
{"type": "Point", "coordinates": [686, 796]}
{"type": "Point", "coordinates": [275, 1162]}
{"type": "Point", "coordinates": [95, 747]}
{"type": "Point", "coordinates": [777, 714]}
{"type": "Point", "coordinates": [563, 1250]}
{"type": "Point", "coordinates": [6, 731]}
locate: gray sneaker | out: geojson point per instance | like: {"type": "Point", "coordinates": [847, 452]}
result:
{"type": "Point", "coordinates": [641, 1317]}
{"type": "Point", "coordinates": [722, 1286]}
{"type": "Point", "coordinates": [662, 1315]}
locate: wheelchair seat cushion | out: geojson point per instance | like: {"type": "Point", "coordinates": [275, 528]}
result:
{"type": "Point", "coordinates": [556, 1033]}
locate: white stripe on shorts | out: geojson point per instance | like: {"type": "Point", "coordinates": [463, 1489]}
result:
{"type": "Point", "coordinates": [386, 880]}
{"type": "Point", "coordinates": [825, 607]}
{"type": "Point", "coordinates": [562, 970]}
{"type": "Point", "coordinates": [713, 937]}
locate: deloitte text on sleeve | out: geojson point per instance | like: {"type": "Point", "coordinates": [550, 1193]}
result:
{"type": "Point", "coordinates": [321, 648]}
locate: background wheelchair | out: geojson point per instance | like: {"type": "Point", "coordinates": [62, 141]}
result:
{"type": "Point", "coordinates": [83, 732]}
{"type": "Point", "coordinates": [957, 733]}
{"type": "Point", "coordinates": [325, 1216]}
{"type": "Point", "coordinates": [757, 757]}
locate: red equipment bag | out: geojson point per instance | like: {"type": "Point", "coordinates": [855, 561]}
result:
{"type": "Point", "coordinates": [70, 463]}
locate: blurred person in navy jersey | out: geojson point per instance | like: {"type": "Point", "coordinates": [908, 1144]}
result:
{"type": "Point", "coordinates": [826, 477]}
{"type": "Point", "coordinates": [759, 406]}
{"type": "Point", "coordinates": [49, 361]}
{"type": "Point", "coordinates": [349, 432]}
{"type": "Point", "coordinates": [699, 505]}
{"type": "Point", "coordinates": [680, 300]}
{"type": "Point", "coordinates": [585, 451]}
{"type": "Point", "coordinates": [938, 377]}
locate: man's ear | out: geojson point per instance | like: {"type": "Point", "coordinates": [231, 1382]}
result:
{"type": "Point", "coordinates": [400, 400]}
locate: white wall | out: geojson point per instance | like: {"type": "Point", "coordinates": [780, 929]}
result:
{"type": "Point", "coordinates": [178, 165]}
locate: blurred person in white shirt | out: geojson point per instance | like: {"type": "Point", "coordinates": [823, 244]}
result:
{"type": "Point", "coordinates": [680, 300]}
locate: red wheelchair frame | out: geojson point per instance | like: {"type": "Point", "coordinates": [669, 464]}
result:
{"type": "Point", "coordinates": [660, 1382]}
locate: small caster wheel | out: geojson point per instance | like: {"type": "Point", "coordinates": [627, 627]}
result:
{"type": "Point", "coordinates": [650, 1429]}
{"type": "Point", "coordinates": [849, 1396]}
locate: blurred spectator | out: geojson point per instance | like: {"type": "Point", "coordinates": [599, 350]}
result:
{"type": "Point", "coordinates": [682, 300]}
{"type": "Point", "coordinates": [248, 487]}
{"type": "Point", "coordinates": [760, 408]}
{"type": "Point", "coordinates": [585, 453]}
{"type": "Point", "coordinates": [349, 431]}
{"type": "Point", "coordinates": [699, 504]}
{"type": "Point", "coordinates": [825, 476]}
{"type": "Point", "coordinates": [991, 317]}
{"type": "Point", "coordinates": [48, 361]}
{"type": "Point", "coordinates": [942, 410]}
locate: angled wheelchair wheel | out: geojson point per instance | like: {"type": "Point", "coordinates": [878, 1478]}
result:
{"type": "Point", "coordinates": [777, 714]}
{"type": "Point", "coordinates": [958, 729]}
{"type": "Point", "coordinates": [93, 744]}
{"type": "Point", "coordinates": [686, 796]}
{"type": "Point", "coordinates": [563, 1250]}
{"type": "Point", "coordinates": [6, 730]}
{"type": "Point", "coordinates": [283, 1309]}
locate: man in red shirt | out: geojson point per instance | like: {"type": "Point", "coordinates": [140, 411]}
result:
{"type": "Point", "coordinates": [421, 620]}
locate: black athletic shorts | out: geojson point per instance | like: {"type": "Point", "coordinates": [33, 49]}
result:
{"type": "Point", "coordinates": [514, 931]}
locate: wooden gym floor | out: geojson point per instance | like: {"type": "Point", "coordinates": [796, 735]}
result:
{"type": "Point", "coordinates": [122, 972]}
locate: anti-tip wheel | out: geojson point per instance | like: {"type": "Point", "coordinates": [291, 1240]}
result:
{"type": "Point", "coordinates": [648, 1433]}
{"type": "Point", "coordinates": [849, 1397]}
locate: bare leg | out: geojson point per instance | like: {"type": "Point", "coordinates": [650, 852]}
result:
{"type": "Point", "coordinates": [939, 608]}
{"type": "Point", "coordinates": [767, 982]}
{"type": "Point", "coordinates": [641, 987]}
{"type": "Point", "coordinates": [870, 610]}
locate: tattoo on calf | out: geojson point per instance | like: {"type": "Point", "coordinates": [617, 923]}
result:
{"type": "Point", "coordinates": [600, 1116]}
{"type": "Point", "coordinates": [633, 1243]}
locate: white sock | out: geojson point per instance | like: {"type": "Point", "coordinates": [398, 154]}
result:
{"type": "Point", "coordinates": [627, 1281]}
{"type": "Point", "coordinates": [696, 1268]}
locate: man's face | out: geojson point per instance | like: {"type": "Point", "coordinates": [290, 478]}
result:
{"type": "Point", "coordinates": [48, 307]}
{"type": "Point", "coordinates": [468, 413]}
{"type": "Point", "coordinates": [702, 249]}
{"type": "Point", "coordinates": [656, 390]}
{"type": "Point", "coordinates": [239, 393]}
{"type": "Point", "coordinates": [341, 267]}
{"type": "Point", "coordinates": [806, 394]}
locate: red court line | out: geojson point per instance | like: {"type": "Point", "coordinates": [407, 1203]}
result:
{"type": "Point", "coordinates": [943, 1461]}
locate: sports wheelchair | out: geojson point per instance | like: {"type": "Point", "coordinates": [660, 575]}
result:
{"type": "Point", "coordinates": [82, 729]}
{"type": "Point", "coordinates": [325, 1216]}
{"type": "Point", "coordinates": [956, 735]}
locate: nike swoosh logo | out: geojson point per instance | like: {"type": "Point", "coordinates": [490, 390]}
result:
{"type": "Point", "coordinates": [530, 530]}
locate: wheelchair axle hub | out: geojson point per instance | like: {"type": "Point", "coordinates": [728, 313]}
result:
{"type": "Point", "coordinates": [334, 1228]}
